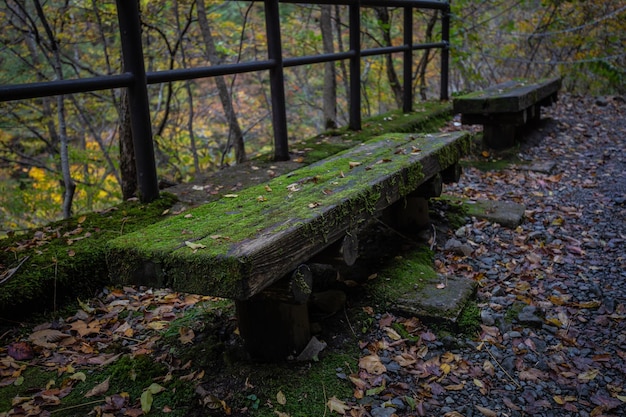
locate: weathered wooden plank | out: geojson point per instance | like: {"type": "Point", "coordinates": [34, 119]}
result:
{"type": "Point", "coordinates": [509, 97]}
{"type": "Point", "coordinates": [238, 246]}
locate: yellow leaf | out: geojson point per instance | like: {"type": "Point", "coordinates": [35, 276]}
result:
{"type": "Point", "coordinates": [588, 376]}
{"type": "Point", "coordinates": [79, 376]}
{"type": "Point", "coordinates": [280, 397]}
{"type": "Point", "coordinates": [353, 164]}
{"type": "Point", "coordinates": [281, 414]}
{"type": "Point", "coordinates": [479, 383]}
{"type": "Point", "coordinates": [336, 405]}
{"type": "Point", "coordinates": [622, 398]}
{"type": "Point", "coordinates": [81, 219]}
{"type": "Point", "coordinates": [445, 368]}
{"type": "Point", "coordinates": [392, 334]}
{"type": "Point", "coordinates": [158, 325]}
{"type": "Point", "coordinates": [194, 246]}
{"type": "Point", "coordinates": [231, 195]}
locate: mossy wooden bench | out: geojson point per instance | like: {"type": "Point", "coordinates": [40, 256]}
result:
{"type": "Point", "coordinates": [253, 246]}
{"type": "Point", "coordinates": [504, 108]}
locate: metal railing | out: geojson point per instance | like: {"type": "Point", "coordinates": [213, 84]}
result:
{"type": "Point", "coordinates": [136, 79]}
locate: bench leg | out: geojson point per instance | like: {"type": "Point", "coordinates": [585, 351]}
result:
{"type": "Point", "coordinates": [408, 214]}
{"type": "Point", "coordinates": [499, 136]}
{"type": "Point", "coordinates": [275, 323]}
{"type": "Point", "coordinates": [272, 330]}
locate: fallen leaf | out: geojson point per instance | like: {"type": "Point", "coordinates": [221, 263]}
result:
{"type": "Point", "coordinates": [194, 246]}
{"type": "Point", "coordinates": [588, 376]}
{"type": "Point", "coordinates": [20, 351]}
{"type": "Point", "coordinates": [99, 389]}
{"type": "Point", "coordinates": [231, 195]}
{"type": "Point", "coordinates": [372, 365]}
{"type": "Point", "coordinates": [353, 164]}
{"type": "Point", "coordinates": [280, 397]}
{"type": "Point", "coordinates": [47, 337]}
{"type": "Point", "coordinates": [336, 405]}
{"type": "Point", "coordinates": [146, 401]}
{"type": "Point", "coordinates": [486, 412]}
{"type": "Point", "coordinates": [79, 376]}
{"type": "Point", "coordinates": [186, 335]}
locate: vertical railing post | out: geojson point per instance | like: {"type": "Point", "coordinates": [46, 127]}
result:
{"type": "Point", "coordinates": [445, 52]}
{"type": "Point", "coordinates": [407, 100]}
{"type": "Point", "coordinates": [277, 81]}
{"type": "Point", "coordinates": [355, 66]}
{"type": "Point", "coordinates": [141, 127]}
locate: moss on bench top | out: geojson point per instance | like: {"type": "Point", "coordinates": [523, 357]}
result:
{"type": "Point", "coordinates": [236, 246]}
{"type": "Point", "coordinates": [508, 97]}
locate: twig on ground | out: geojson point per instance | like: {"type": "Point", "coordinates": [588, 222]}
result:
{"type": "Point", "coordinates": [503, 370]}
{"type": "Point", "coordinates": [6, 275]}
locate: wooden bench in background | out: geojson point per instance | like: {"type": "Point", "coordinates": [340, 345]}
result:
{"type": "Point", "coordinates": [505, 108]}
{"type": "Point", "coordinates": [252, 247]}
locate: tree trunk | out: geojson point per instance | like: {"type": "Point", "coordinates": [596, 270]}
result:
{"type": "Point", "coordinates": [235, 134]}
{"type": "Point", "coordinates": [68, 183]}
{"type": "Point", "coordinates": [330, 78]}
{"type": "Point", "coordinates": [421, 66]}
{"type": "Point", "coordinates": [385, 26]}
{"type": "Point", "coordinates": [128, 170]}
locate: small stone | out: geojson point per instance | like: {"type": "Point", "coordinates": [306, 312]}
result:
{"type": "Point", "coordinates": [487, 318]}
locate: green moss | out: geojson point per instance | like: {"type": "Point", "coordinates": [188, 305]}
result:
{"type": "Point", "coordinates": [306, 387]}
{"type": "Point", "coordinates": [34, 379]}
{"type": "Point", "coordinates": [427, 116]}
{"type": "Point", "coordinates": [468, 322]}
{"type": "Point", "coordinates": [61, 255]}
{"type": "Point", "coordinates": [403, 275]}
{"type": "Point", "coordinates": [455, 210]}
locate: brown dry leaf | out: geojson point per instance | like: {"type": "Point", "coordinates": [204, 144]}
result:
{"type": "Point", "coordinates": [186, 335]}
{"type": "Point", "coordinates": [489, 368]}
{"type": "Point", "coordinates": [372, 365]}
{"type": "Point", "coordinates": [456, 387]}
{"type": "Point", "coordinates": [336, 405]}
{"type": "Point", "coordinates": [46, 338]}
{"type": "Point", "coordinates": [405, 360]}
{"type": "Point", "coordinates": [486, 412]}
{"type": "Point", "coordinates": [507, 401]}
{"type": "Point", "coordinates": [99, 389]}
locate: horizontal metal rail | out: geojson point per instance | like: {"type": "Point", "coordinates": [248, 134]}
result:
{"type": "Point", "coordinates": [135, 78]}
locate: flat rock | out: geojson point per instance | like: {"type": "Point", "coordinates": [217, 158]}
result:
{"type": "Point", "coordinates": [439, 298]}
{"type": "Point", "coordinates": [505, 213]}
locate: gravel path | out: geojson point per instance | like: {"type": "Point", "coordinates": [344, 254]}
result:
{"type": "Point", "coordinates": [552, 292]}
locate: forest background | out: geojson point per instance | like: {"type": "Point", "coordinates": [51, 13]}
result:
{"type": "Point", "coordinates": [63, 155]}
